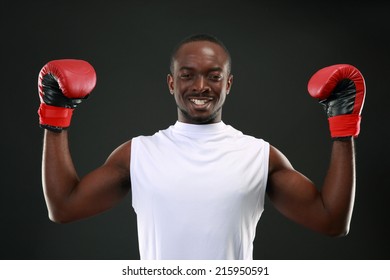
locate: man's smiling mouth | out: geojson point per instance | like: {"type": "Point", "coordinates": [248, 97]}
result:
{"type": "Point", "coordinates": [200, 101]}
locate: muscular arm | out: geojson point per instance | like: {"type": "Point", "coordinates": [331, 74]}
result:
{"type": "Point", "coordinates": [328, 209]}
{"type": "Point", "coordinates": [70, 198]}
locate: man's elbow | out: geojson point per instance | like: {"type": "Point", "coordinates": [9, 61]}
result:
{"type": "Point", "coordinates": [59, 218]}
{"type": "Point", "coordinates": [338, 231]}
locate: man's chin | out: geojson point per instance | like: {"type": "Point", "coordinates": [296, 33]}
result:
{"type": "Point", "coordinates": [197, 118]}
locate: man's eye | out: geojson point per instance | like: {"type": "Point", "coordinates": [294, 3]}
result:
{"type": "Point", "coordinates": [215, 77]}
{"type": "Point", "coordinates": [185, 76]}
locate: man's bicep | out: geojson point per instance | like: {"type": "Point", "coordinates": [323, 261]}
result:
{"type": "Point", "coordinates": [292, 193]}
{"type": "Point", "coordinates": [104, 187]}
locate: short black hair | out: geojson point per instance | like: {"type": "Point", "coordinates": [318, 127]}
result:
{"type": "Point", "coordinates": [200, 37]}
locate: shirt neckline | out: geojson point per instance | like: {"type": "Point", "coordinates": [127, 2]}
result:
{"type": "Point", "coordinates": [199, 128]}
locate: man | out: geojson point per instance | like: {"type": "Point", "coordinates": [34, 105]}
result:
{"type": "Point", "coordinates": [198, 187]}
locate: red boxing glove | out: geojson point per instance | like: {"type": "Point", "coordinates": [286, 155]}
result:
{"type": "Point", "coordinates": [341, 90]}
{"type": "Point", "coordinates": [62, 85]}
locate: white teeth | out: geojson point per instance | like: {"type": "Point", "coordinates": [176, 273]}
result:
{"type": "Point", "coordinates": [199, 101]}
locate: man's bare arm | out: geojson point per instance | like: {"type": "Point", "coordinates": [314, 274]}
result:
{"type": "Point", "coordinates": [327, 209]}
{"type": "Point", "coordinates": [70, 198]}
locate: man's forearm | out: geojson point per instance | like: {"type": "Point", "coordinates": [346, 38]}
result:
{"type": "Point", "coordinates": [59, 176]}
{"type": "Point", "coordinates": [338, 192]}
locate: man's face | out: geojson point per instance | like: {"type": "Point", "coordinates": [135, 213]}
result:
{"type": "Point", "coordinates": [200, 82]}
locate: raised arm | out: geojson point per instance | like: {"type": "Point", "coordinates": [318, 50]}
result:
{"type": "Point", "coordinates": [63, 84]}
{"type": "Point", "coordinates": [327, 208]}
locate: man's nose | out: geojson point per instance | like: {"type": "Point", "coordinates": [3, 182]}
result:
{"type": "Point", "coordinates": [200, 84]}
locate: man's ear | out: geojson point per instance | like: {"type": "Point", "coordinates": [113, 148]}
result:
{"type": "Point", "coordinates": [229, 83]}
{"type": "Point", "coordinates": [170, 83]}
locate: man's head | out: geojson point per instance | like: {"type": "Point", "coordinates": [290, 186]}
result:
{"type": "Point", "coordinates": [200, 78]}
{"type": "Point", "coordinates": [197, 38]}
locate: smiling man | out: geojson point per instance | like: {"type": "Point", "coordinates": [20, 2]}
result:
{"type": "Point", "coordinates": [200, 79]}
{"type": "Point", "coordinates": [198, 187]}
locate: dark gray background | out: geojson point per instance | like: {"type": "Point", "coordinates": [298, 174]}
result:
{"type": "Point", "coordinates": [276, 47]}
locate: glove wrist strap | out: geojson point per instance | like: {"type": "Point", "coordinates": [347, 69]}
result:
{"type": "Point", "coordinates": [53, 116]}
{"type": "Point", "coordinates": [344, 125]}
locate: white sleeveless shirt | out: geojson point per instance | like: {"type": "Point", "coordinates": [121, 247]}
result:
{"type": "Point", "coordinates": [198, 191]}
